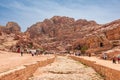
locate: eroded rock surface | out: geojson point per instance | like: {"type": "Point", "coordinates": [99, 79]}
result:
{"type": "Point", "coordinates": [61, 31]}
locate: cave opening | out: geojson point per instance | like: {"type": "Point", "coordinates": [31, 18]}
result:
{"type": "Point", "coordinates": [101, 44]}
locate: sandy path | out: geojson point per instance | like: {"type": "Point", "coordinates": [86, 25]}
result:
{"type": "Point", "coordinates": [65, 69]}
{"type": "Point", "coordinates": [9, 60]}
{"type": "Point", "coordinates": [107, 63]}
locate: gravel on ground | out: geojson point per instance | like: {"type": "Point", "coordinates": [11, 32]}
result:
{"type": "Point", "coordinates": [65, 68]}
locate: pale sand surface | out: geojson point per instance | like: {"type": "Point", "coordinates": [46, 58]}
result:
{"type": "Point", "coordinates": [65, 68]}
{"type": "Point", "coordinates": [9, 60]}
{"type": "Point", "coordinates": [107, 63]}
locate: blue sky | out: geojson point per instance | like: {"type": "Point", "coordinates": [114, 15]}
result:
{"type": "Point", "coordinates": [28, 12]}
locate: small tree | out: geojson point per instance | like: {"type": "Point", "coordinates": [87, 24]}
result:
{"type": "Point", "coordinates": [83, 49]}
{"type": "Point", "coordinates": [30, 45]}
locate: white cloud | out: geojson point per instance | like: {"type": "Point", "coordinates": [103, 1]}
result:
{"type": "Point", "coordinates": [33, 11]}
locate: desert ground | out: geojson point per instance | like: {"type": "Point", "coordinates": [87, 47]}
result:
{"type": "Point", "coordinates": [65, 68]}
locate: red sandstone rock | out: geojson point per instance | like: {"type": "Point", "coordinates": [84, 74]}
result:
{"type": "Point", "coordinates": [13, 27]}
{"type": "Point", "coordinates": [61, 31]}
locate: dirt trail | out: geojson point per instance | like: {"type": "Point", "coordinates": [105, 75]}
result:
{"type": "Point", "coordinates": [65, 68]}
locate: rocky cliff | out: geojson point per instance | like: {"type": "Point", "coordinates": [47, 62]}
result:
{"type": "Point", "coordinates": [7, 35]}
{"type": "Point", "coordinates": [11, 27]}
{"type": "Point", "coordinates": [60, 31]}
{"type": "Point", "coordinates": [62, 26]}
{"type": "Point", "coordinates": [64, 33]}
{"type": "Point", "coordinates": [104, 38]}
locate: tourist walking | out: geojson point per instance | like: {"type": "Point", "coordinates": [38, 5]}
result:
{"type": "Point", "coordinates": [33, 52]}
{"type": "Point", "coordinates": [114, 59]}
{"type": "Point", "coordinates": [21, 51]}
{"type": "Point", "coordinates": [104, 56]}
{"type": "Point", "coordinates": [89, 54]}
{"type": "Point", "coordinates": [18, 50]}
{"type": "Point", "coordinates": [118, 59]}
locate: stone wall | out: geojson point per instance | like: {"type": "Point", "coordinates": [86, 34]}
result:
{"type": "Point", "coordinates": [106, 72]}
{"type": "Point", "coordinates": [24, 72]}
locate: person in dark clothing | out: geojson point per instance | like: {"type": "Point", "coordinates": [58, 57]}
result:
{"type": "Point", "coordinates": [114, 59]}
{"type": "Point", "coordinates": [22, 50]}
{"type": "Point", "coordinates": [118, 59]}
{"type": "Point", "coordinates": [89, 54]}
{"type": "Point", "coordinates": [21, 53]}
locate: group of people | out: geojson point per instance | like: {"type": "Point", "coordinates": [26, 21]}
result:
{"type": "Point", "coordinates": [77, 53]}
{"type": "Point", "coordinates": [105, 56]}
{"type": "Point", "coordinates": [30, 51]}
{"type": "Point", "coordinates": [115, 59]}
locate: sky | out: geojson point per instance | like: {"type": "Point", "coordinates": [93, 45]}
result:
{"type": "Point", "coordinates": [28, 12]}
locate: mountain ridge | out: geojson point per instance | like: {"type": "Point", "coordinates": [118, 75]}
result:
{"type": "Point", "coordinates": [61, 31]}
